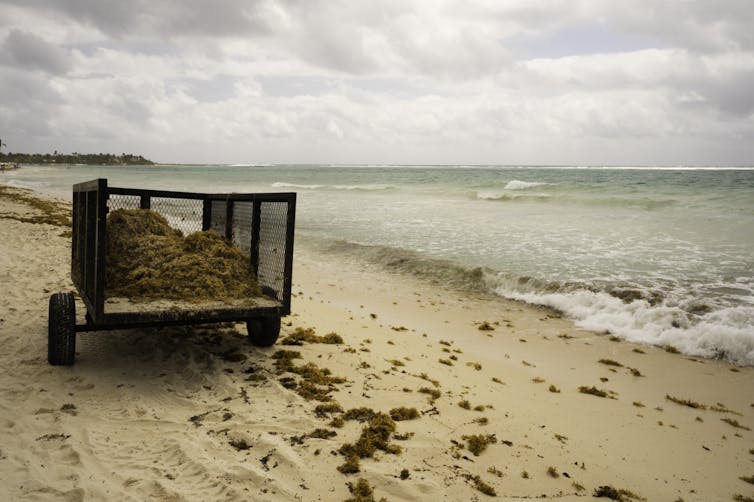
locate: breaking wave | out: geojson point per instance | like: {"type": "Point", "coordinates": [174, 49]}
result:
{"type": "Point", "coordinates": [523, 185]}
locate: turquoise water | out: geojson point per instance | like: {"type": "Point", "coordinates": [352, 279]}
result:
{"type": "Point", "coordinates": [654, 255]}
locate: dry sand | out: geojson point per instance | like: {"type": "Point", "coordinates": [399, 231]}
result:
{"type": "Point", "coordinates": [199, 414]}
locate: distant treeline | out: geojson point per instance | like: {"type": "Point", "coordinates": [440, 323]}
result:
{"type": "Point", "coordinates": [100, 159]}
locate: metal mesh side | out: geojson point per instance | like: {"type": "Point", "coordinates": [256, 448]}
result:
{"type": "Point", "coordinates": [242, 215]}
{"type": "Point", "coordinates": [272, 246]}
{"type": "Point", "coordinates": [117, 201]}
{"type": "Point", "coordinates": [217, 223]}
{"type": "Point", "coordinates": [183, 214]}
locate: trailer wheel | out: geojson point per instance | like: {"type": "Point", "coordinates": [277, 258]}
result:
{"type": "Point", "coordinates": [61, 330]}
{"type": "Point", "coordinates": [263, 331]}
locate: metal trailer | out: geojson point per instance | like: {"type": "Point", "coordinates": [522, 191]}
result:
{"type": "Point", "coordinates": [259, 223]}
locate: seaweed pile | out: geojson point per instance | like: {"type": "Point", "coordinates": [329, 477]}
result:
{"type": "Point", "coordinates": [147, 259]}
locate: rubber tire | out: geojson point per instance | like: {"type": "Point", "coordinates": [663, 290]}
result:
{"type": "Point", "coordinates": [61, 330]}
{"type": "Point", "coordinates": [263, 331]}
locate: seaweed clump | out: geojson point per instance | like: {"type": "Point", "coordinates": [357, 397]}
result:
{"type": "Point", "coordinates": [620, 495]}
{"type": "Point", "coordinates": [301, 336]}
{"type": "Point", "coordinates": [148, 259]}
{"type": "Point", "coordinates": [361, 491]}
{"type": "Point", "coordinates": [477, 443]}
{"type": "Point", "coordinates": [594, 391]}
{"type": "Point", "coordinates": [403, 413]}
{"type": "Point", "coordinates": [480, 485]}
{"type": "Point", "coordinates": [315, 383]}
{"type": "Point", "coordinates": [375, 436]}
{"type": "Point", "coordinates": [685, 402]}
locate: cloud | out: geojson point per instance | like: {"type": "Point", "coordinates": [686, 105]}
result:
{"type": "Point", "coordinates": [30, 51]}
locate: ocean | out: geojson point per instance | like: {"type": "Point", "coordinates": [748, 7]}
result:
{"type": "Point", "coordinates": [655, 255]}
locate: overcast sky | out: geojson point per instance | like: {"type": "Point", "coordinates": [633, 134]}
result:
{"type": "Point", "coordinates": [382, 81]}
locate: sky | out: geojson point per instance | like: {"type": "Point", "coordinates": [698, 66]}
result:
{"type": "Point", "coordinates": [579, 82]}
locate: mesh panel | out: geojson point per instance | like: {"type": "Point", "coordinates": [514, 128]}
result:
{"type": "Point", "coordinates": [242, 212]}
{"type": "Point", "coordinates": [272, 240]}
{"type": "Point", "coordinates": [183, 214]}
{"type": "Point", "coordinates": [218, 216]}
{"type": "Point", "coordinates": [116, 201]}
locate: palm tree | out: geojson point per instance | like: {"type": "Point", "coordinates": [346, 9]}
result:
{"type": "Point", "coordinates": [2, 144]}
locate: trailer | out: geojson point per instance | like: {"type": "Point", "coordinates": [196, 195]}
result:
{"type": "Point", "coordinates": [260, 224]}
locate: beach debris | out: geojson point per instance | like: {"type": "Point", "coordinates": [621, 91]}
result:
{"type": "Point", "coordinates": [485, 326]}
{"type": "Point", "coordinates": [686, 402]}
{"type": "Point", "coordinates": [53, 437]}
{"type": "Point", "coordinates": [721, 408]}
{"type": "Point", "coordinates": [619, 495]}
{"type": "Point", "coordinates": [477, 443]}
{"type": "Point", "coordinates": [434, 394]}
{"type": "Point", "coordinates": [733, 422]}
{"type": "Point", "coordinates": [403, 413]}
{"type": "Point", "coordinates": [307, 335]}
{"type": "Point", "coordinates": [315, 383]}
{"type": "Point", "coordinates": [494, 470]}
{"type": "Point", "coordinates": [350, 466]}
{"type": "Point", "coordinates": [480, 485]}
{"type": "Point", "coordinates": [198, 419]}
{"type": "Point", "coordinates": [425, 377]}
{"type": "Point", "coordinates": [148, 259]}
{"type": "Point", "coordinates": [69, 408]}
{"type": "Point", "coordinates": [554, 389]}
{"type": "Point", "coordinates": [325, 409]}
{"type": "Point", "coordinates": [553, 472]}
{"type": "Point", "coordinates": [610, 362]}
{"type": "Point", "coordinates": [360, 491]}
{"type": "Point", "coordinates": [374, 436]}
{"type": "Point", "coordinates": [594, 391]}
{"type": "Point", "coordinates": [240, 444]}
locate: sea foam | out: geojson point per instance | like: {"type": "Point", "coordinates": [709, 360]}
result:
{"type": "Point", "coordinates": [724, 334]}
{"type": "Point", "coordinates": [523, 185]}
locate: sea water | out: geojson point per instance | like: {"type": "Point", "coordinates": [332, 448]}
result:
{"type": "Point", "coordinates": [655, 255]}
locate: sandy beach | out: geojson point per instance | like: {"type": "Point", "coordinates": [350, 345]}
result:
{"type": "Point", "coordinates": [197, 413]}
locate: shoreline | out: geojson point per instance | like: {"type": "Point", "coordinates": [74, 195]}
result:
{"type": "Point", "coordinates": [156, 413]}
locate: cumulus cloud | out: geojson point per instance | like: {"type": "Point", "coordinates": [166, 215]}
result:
{"type": "Point", "coordinates": [561, 81]}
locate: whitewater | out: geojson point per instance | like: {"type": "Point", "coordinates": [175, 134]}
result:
{"type": "Point", "coordinates": [653, 254]}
